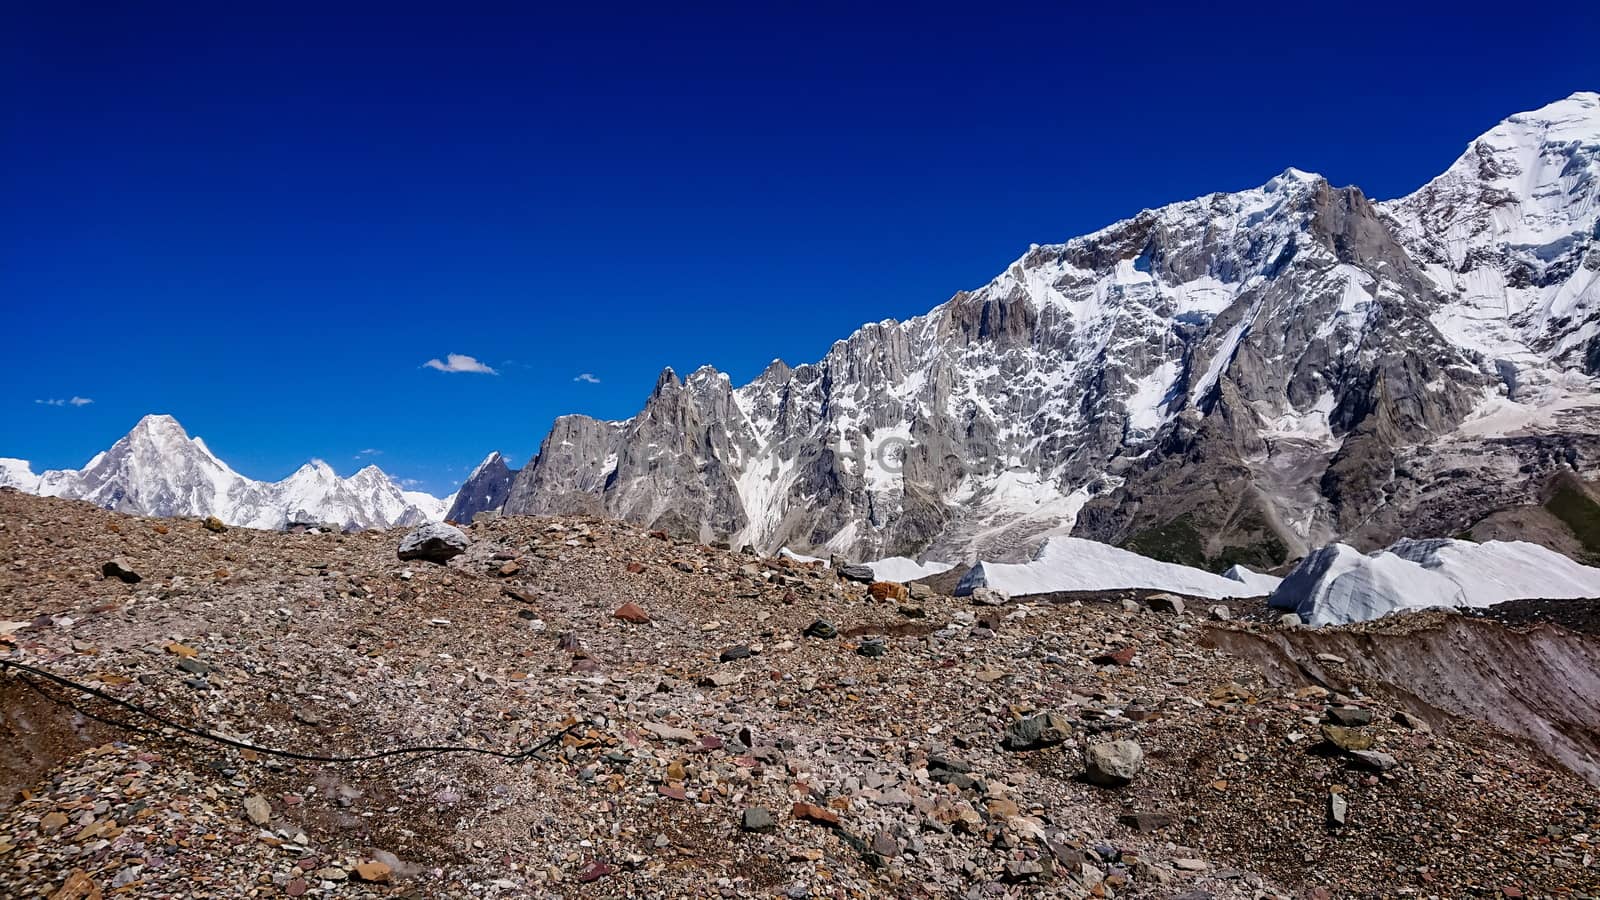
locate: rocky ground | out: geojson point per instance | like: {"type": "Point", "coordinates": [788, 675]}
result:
{"type": "Point", "coordinates": [703, 743]}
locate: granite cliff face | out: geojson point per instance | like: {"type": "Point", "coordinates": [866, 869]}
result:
{"type": "Point", "coordinates": [1234, 378]}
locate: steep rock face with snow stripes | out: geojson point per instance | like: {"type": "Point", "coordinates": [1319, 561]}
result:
{"type": "Point", "coordinates": [485, 489]}
{"type": "Point", "coordinates": [1234, 378]}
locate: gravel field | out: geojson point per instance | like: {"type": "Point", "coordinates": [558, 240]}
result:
{"type": "Point", "coordinates": [746, 728]}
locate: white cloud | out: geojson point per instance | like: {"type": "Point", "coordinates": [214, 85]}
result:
{"type": "Point", "coordinates": [368, 452]}
{"type": "Point", "coordinates": [69, 401]}
{"type": "Point", "coordinates": [587, 378]}
{"type": "Point", "coordinates": [459, 362]}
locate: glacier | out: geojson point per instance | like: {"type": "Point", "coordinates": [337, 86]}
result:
{"type": "Point", "coordinates": [1338, 585]}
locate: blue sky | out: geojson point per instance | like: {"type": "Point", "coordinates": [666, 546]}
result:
{"type": "Point", "coordinates": [266, 224]}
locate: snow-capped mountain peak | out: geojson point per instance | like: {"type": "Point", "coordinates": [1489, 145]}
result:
{"type": "Point", "coordinates": [1509, 231]}
{"type": "Point", "coordinates": [17, 473]}
{"type": "Point", "coordinates": [158, 469]}
{"type": "Point", "coordinates": [493, 457]}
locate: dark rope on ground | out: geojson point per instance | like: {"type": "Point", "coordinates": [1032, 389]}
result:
{"type": "Point", "coordinates": [200, 733]}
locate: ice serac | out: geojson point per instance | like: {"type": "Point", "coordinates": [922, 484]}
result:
{"type": "Point", "coordinates": [1234, 379]}
{"type": "Point", "coordinates": [484, 490]}
{"type": "Point", "coordinates": [157, 469]}
{"type": "Point", "coordinates": [1337, 584]}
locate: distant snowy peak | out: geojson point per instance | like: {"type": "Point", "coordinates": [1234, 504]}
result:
{"type": "Point", "coordinates": [1535, 178]}
{"type": "Point", "coordinates": [157, 469]}
{"type": "Point", "coordinates": [1509, 231]}
{"type": "Point", "coordinates": [17, 473]}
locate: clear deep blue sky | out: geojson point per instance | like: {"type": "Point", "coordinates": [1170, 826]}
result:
{"type": "Point", "coordinates": [265, 224]}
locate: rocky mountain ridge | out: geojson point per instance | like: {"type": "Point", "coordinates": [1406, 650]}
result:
{"type": "Point", "coordinates": [157, 469]}
{"type": "Point", "coordinates": [1235, 378]}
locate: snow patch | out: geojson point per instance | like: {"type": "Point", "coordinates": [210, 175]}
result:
{"type": "Point", "coordinates": [1076, 564]}
{"type": "Point", "coordinates": [903, 569]}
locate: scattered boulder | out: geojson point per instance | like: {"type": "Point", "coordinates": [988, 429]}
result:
{"type": "Point", "coordinates": [119, 567]}
{"type": "Point", "coordinates": [1037, 731]}
{"type": "Point", "coordinates": [214, 524]}
{"type": "Point", "coordinates": [1113, 763]}
{"type": "Point", "coordinates": [1338, 810]}
{"type": "Point", "coordinates": [1290, 620]}
{"type": "Point", "coordinates": [78, 886]}
{"type": "Point", "coordinates": [1219, 613]}
{"type": "Point", "coordinates": [1347, 739]}
{"type": "Point", "coordinates": [720, 678]}
{"type": "Point", "coordinates": [1122, 656]}
{"type": "Point", "coordinates": [888, 590]}
{"type": "Point", "coordinates": [194, 666]}
{"type": "Point", "coordinates": [434, 542]}
{"type": "Point", "coordinates": [257, 809]}
{"type": "Point", "coordinates": [374, 871]}
{"type": "Point", "coordinates": [813, 813]}
{"type": "Point", "coordinates": [873, 647]}
{"type": "Point", "coordinates": [821, 628]}
{"type": "Point", "coordinates": [862, 574]}
{"type": "Point", "coordinates": [1412, 721]}
{"type": "Point", "coordinates": [1349, 716]}
{"type": "Point", "coordinates": [632, 613]}
{"type": "Point", "coordinates": [737, 651]}
{"type": "Point", "coordinates": [1023, 870]}
{"type": "Point", "coordinates": [1147, 822]}
{"type": "Point", "coordinates": [989, 597]}
{"type": "Point", "coordinates": [757, 820]}
{"type": "Point", "coordinates": [1165, 603]}
{"type": "Point", "coordinates": [1376, 760]}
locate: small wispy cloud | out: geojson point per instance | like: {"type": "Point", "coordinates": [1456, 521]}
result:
{"type": "Point", "coordinates": [459, 362]}
{"type": "Point", "coordinates": [68, 401]}
{"type": "Point", "coordinates": [368, 452]}
{"type": "Point", "coordinates": [410, 483]}
{"type": "Point", "coordinates": [587, 378]}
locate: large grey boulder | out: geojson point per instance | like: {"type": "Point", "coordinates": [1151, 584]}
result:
{"type": "Point", "coordinates": [1114, 763]}
{"type": "Point", "coordinates": [435, 542]}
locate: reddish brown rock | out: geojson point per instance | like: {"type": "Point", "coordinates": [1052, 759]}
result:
{"type": "Point", "coordinates": [1119, 657]}
{"type": "Point", "coordinates": [888, 590]}
{"type": "Point", "coordinates": [79, 886]}
{"type": "Point", "coordinates": [814, 813]}
{"type": "Point", "coordinates": [631, 613]}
